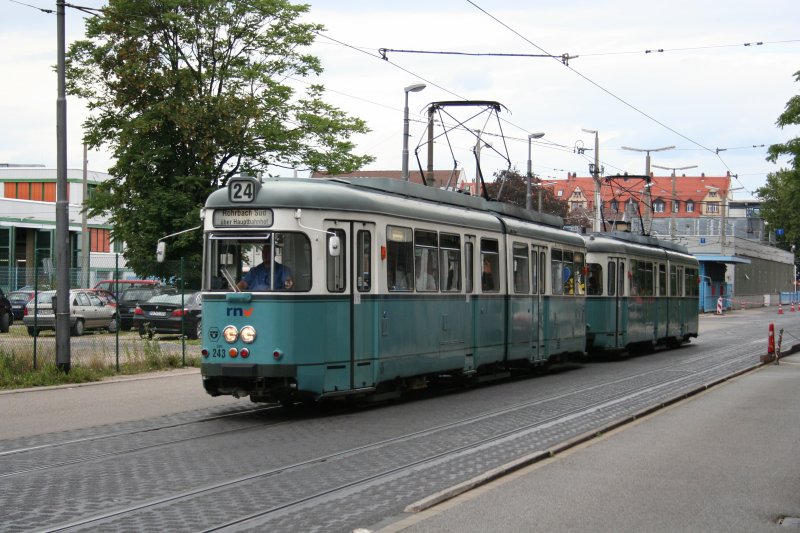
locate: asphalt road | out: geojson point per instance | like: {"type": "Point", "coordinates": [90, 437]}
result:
{"type": "Point", "coordinates": [29, 412]}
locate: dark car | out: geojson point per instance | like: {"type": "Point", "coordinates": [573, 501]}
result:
{"type": "Point", "coordinates": [129, 299]}
{"type": "Point", "coordinates": [163, 314]}
{"type": "Point", "coordinates": [6, 313]}
{"type": "Point", "coordinates": [19, 299]}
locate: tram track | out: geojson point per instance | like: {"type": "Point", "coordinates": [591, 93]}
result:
{"type": "Point", "coordinates": [701, 378]}
{"type": "Point", "coordinates": [258, 426]}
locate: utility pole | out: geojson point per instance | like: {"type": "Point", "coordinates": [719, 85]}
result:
{"type": "Point", "coordinates": [672, 226]}
{"type": "Point", "coordinates": [62, 214]}
{"type": "Point", "coordinates": [84, 221]}
{"type": "Point", "coordinates": [595, 170]}
{"type": "Point", "coordinates": [647, 204]}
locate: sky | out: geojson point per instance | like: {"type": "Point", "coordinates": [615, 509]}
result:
{"type": "Point", "coordinates": [708, 94]}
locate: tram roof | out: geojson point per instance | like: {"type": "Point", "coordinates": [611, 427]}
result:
{"type": "Point", "coordinates": [622, 242]}
{"type": "Point", "coordinates": [370, 194]}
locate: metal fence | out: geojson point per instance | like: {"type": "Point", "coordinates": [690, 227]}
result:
{"type": "Point", "coordinates": [117, 342]}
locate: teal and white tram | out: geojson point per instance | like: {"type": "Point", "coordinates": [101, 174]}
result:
{"type": "Point", "coordinates": [378, 286]}
{"type": "Point", "coordinates": [641, 292]}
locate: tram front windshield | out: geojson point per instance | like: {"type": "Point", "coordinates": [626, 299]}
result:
{"type": "Point", "coordinates": [263, 262]}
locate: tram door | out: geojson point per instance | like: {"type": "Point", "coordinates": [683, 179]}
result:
{"type": "Point", "coordinates": [617, 274]}
{"type": "Point", "coordinates": [351, 274]}
{"type": "Point", "coordinates": [538, 287]}
{"type": "Point", "coordinates": [364, 323]}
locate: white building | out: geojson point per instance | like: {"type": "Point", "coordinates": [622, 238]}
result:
{"type": "Point", "coordinates": [27, 228]}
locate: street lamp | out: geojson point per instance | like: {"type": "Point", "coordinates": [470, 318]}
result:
{"type": "Point", "coordinates": [647, 172]}
{"type": "Point", "coordinates": [672, 226]}
{"type": "Point", "coordinates": [598, 202]}
{"type": "Point", "coordinates": [537, 135]}
{"type": "Point", "coordinates": [417, 87]}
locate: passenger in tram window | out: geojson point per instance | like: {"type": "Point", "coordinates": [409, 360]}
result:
{"type": "Point", "coordinates": [257, 278]}
{"type": "Point", "coordinates": [593, 285]}
{"type": "Point", "coordinates": [487, 276]}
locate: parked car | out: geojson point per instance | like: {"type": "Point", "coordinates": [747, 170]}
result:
{"type": "Point", "coordinates": [130, 298]}
{"type": "Point", "coordinates": [163, 314]}
{"type": "Point", "coordinates": [119, 285]}
{"type": "Point", "coordinates": [106, 296]}
{"type": "Point", "coordinates": [19, 300]}
{"type": "Point", "coordinates": [6, 313]}
{"type": "Point", "coordinates": [86, 311]}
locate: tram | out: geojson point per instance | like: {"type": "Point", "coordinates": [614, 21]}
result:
{"type": "Point", "coordinates": [378, 286]}
{"type": "Point", "coordinates": [371, 287]}
{"type": "Point", "coordinates": [641, 293]}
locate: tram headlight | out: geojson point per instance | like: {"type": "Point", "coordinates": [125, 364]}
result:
{"type": "Point", "coordinates": [248, 334]}
{"type": "Point", "coordinates": [230, 333]}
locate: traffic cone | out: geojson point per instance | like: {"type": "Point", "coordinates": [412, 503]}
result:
{"type": "Point", "coordinates": [792, 309]}
{"type": "Point", "coordinates": [780, 309]}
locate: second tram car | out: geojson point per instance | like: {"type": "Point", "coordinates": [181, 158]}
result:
{"type": "Point", "coordinates": [370, 287]}
{"type": "Point", "coordinates": [641, 293]}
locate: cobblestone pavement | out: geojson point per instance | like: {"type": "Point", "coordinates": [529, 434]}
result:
{"type": "Point", "coordinates": [336, 469]}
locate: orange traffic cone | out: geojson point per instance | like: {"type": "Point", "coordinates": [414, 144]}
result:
{"type": "Point", "coordinates": [780, 309]}
{"type": "Point", "coordinates": [792, 309]}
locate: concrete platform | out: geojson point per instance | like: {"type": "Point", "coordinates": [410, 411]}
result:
{"type": "Point", "coordinates": [727, 460]}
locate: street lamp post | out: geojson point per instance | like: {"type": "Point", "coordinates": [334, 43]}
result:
{"type": "Point", "coordinates": [647, 173]}
{"type": "Point", "coordinates": [410, 89]}
{"type": "Point", "coordinates": [672, 228]}
{"type": "Point", "coordinates": [537, 135]}
{"type": "Point", "coordinates": [598, 202]}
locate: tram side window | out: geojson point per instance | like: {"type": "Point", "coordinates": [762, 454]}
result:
{"type": "Point", "coordinates": [662, 279]}
{"type": "Point", "coordinates": [450, 260]}
{"type": "Point", "coordinates": [426, 260]}
{"type": "Point", "coordinates": [692, 282]}
{"type": "Point", "coordinates": [364, 258]}
{"type": "Point", "coordinates": [521, 270]}
{"type": "Point", "coordinates": [399, 258]}
{"type": "Point", "coordinates": [621, 279]}
{"type": "Point", "coordinates": [336, 272]}
{"type": "Point", "coordinates": [578, 273]}
{"type": "Point", "coordinates": [490, 265]}
{"type": "Point", "coordinates": [469, 266]}
{"type": "Point", "coordinates": [612, 278]}
{"type": "Point", "coordinates": [673, 280]}
{"type": "Point", "coordinates": [542, 272]}
{"type": "Point", "coordinates": [594, 279]}
{"type": "Point", "coordinates": [557, 271]}
{"type": "Point", "coordinates": [534, 271]}
{"type": "Point", "coordinates": [642, 278]}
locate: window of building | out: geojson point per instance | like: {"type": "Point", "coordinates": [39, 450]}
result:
{"type": "Point", "coordinates": [712, 207]}
{"type": "Point", "coordinates": [690, 206]}
{"type": "Point", "coordinates": [676, 205]}
{"type": "Point", "coordinates": [658, 206]}
{"type": "Point", "coordinates": [31, 190]}
{"type": "Point", "coordinates": [560, 193]}
{"type": "Point", "coordinates": [100, 240]}
{"type": "Point", "coordinates": [614, 206]}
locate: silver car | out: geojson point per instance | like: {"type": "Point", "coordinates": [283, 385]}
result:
{"type": "Point", "coordinates": [86, 311]}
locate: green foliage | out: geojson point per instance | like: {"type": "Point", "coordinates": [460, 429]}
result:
{"type": "Point", "coordinates": [516, 188]}
{"type": "Point", "coordinates": [187, 93]}
{"type": "Point", "coordinates": [781, 194]}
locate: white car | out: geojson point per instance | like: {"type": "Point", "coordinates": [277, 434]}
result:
{"type": "Point", "coordinates": [86, 311]}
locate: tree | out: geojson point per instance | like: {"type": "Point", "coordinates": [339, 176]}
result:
{"type": "Point", "coordinates": [781, 195]}
{"type": "Point", "coordinates": [516, 188]}
{"type": "Point", "coordinates": [187, 93]}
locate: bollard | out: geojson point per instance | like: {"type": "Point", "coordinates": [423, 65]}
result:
{"type": "Point", "coordinates": [778, 351]}
{"type": "Point", "coordinates": [770, 345]}
{"type": "Point", "coordinates": [792, 308]}
{"type": "Point", "coordinates": [719, 305]}
{"type": "Point", "coordinates": [780, 308]}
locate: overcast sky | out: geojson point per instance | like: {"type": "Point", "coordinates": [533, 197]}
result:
{"type": "Point", "coordinates": [713, 98]}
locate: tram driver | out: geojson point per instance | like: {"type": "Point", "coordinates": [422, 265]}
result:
{"type": "Point", "coordinates": [257, 278]}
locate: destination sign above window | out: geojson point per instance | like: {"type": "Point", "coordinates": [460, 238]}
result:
{"type": "Point", "coordinates": [237, 218]}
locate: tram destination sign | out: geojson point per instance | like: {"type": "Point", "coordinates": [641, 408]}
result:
{"type": "Point", "coordinates": [238, 218]}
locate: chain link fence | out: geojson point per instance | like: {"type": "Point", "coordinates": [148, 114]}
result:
{"type": "Point", "coordinates": [108, 328]}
